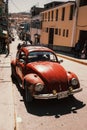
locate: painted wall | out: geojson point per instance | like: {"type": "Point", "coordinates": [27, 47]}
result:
{"type": "Point", "coordinates": [62, 26]}
{"type": "Point", "coordinates": [81, 21]}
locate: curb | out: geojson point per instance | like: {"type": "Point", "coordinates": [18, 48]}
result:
{"type": "Point", "coordinates": [72, 59]}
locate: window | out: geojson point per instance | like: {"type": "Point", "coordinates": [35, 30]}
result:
{"type": "Point", "coordinates": [83, 2]}
{"type": "Point", "coordinates": [41, 56]}
{"type": "Point", "coordinates": [63, 32]}
{"type": "Point", "coordinates": [63, 13]}
{"type": "Point", "coordinates": [59, 31]}
{"type": "Point", "coordinates": [48, 16]}
{"type": "Point", "coordinates": [67, 33]}
{"type": "Point", "coordinates": [45, 16]}
{"type": "Point", "coordinates": [47, 30]}
{"type": "Point", "coordinates": [56, 31]}
{"type": "Point", "coordinates": [71, 12]}
{"type": "Point", "coordinates": [21, 56]}
{"type": "Point", "coordinates": [52, 15]}
{"type": "Point", "coordinates": [57, 15]}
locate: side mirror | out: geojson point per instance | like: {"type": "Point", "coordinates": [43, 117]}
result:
{"type": "Point", "coordinates": [60, 61]}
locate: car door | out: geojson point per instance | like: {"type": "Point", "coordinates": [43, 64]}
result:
{"type": "Point", "coordinates": [21, 64]}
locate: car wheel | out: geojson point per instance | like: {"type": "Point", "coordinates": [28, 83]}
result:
{"type": "Point", "coordinates": [28, 97]}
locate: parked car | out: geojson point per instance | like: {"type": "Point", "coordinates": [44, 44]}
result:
{"type": "Point", "coordinates": [40, 74]}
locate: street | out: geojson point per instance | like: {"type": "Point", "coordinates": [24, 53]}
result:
{"type": "Point", "coordinates": [68, 114]}
{"type": "Point", "coordinates": [61, 26]}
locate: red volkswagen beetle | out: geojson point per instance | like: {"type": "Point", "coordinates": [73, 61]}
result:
{"type": "Point", "coordinates": [40, 74]}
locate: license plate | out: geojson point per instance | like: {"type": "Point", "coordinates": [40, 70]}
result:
{"type": "Point", "coordinates": [62, 95]}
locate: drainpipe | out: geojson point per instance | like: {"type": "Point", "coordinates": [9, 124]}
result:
{"type": "Point", "coordinates": [75, 22]}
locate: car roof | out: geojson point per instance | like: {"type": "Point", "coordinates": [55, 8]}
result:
{"type": "Point", "coordinates": [36, 48]}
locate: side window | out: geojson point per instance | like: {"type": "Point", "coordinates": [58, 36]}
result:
{"type": "Point", "coordinates": [22, 56]}
{"type": "Point", "coordinates": [17, 55]}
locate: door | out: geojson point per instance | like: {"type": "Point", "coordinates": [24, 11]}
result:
{"type": "Point", "coordinates": [51, 38]}
{"type": "Point", "coordinates": [20, 66]}
{"type": "Point", "coordinates": [83, 37]}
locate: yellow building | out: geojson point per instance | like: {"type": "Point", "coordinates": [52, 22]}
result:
{"type": "Point", "coordinates": [58, 25]}
{"type": "Point", "coordinates": [64, 24]}
{"type": "Point", "coordinates": [81, 27]}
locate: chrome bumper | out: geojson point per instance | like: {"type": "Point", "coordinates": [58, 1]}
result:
{"type": "Point", "coordinates": [59, 95]}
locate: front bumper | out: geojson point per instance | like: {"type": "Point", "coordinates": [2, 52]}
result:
{"type": "Point", "coordinates": [59, 95]}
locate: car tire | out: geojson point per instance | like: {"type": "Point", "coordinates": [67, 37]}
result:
{"type": "Point", "coordinates": [28, 97]}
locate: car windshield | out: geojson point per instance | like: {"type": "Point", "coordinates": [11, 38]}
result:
{"type": "Point", "coordinates": [41, 56]}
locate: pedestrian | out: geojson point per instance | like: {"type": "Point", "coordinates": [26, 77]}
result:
{"type": "Point", "coordinates": [3, 45]}
{"type": "Point", "coordinates": [84, 51]}
{"type": "Point", "coordinates": [77, 49]}
{"type": "Point", "coordinates": [7, 41]}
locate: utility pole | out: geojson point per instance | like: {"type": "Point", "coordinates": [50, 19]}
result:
{"type": "Point", "coordinates": [7, 41]}
{"type": "Point", "coordinates": [7, 8]}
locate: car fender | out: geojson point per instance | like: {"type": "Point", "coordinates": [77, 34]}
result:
{"type": "Point", "coordinates": [72, 75]}
{"type": "Point", "coordinates": [13, 62]}
{"type": "Point", "coordinates": [32, 79]}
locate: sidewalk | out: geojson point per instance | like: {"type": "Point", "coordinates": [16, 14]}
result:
{"type": "Point", "coordinates": [6, 95]}
{"type": "Point", "coordinates": [70, 57]}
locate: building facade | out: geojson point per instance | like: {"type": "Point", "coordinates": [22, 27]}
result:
{"type": "Point", "coordinates": [36, 24]}
{"type": "Point", "coordinates": [81, 27]}
{"type": "Point", "coordinates": [58, 25]}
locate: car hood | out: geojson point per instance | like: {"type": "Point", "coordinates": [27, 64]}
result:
{"type": "Point", "coordinates": [49, 71]}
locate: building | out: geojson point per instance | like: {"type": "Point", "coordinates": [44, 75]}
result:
{"type": "Point", "coordinates": [19, 18]}
{"type": "Point", "coordinates": [36, 24]}
{"type": "Point", "coordinates": [81, 25]}
{"type": "Point", "coordinates": [58, 25]}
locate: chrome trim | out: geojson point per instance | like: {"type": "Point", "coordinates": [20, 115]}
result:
{"type": "Point", "coordinates": [76, 90]}
{"type": "Point", "coordinates": [59, 95]}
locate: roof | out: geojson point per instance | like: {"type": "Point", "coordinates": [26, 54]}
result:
{"type": "Point", "coordinates": [55, 4]}
{"type": "Point", "coordinates": [36, 48]}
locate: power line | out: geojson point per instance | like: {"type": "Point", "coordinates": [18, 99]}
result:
{"type": "Point", "coordinates": [15, 5]}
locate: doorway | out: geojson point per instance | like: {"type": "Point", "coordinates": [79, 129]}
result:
{"type": "Point", "coordinates": [83, 36]}
{"type": "Point", "coordinates": [51, 38]}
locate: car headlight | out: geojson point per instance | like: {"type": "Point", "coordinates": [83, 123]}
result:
{"type": "Point", "coordinates": [74, 81]}
{"type": "Point", "coordinates": [39, 87]}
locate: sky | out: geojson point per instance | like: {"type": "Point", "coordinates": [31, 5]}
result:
{"type": "Point", "coordinates": [25, 5]}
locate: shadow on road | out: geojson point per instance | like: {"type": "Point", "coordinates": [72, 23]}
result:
{"type": "Point", "coordinates": [52, 107]}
